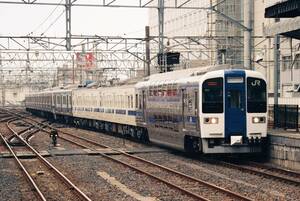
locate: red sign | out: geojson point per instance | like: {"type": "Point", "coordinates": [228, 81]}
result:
{"type": "Point", "coordinates": [86, 60]}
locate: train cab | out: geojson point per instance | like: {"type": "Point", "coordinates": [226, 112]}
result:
{"type": "Point", "coordinates": [233, 111]}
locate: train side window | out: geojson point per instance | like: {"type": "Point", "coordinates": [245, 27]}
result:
{"type": "Point", "coordinates": [128, 102]}
{"type": "Point", "coordinates": [136, 100]}
{"type": "Point", "coordinates": [140, 102]}
{"type": "Point", "coordinates": [64, 100]}
{"type": "Point", "coordinates": [131, 98]}
{"type": "Point", "coordinates": [119, 101]}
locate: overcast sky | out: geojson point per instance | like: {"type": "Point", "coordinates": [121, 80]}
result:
{"type": "Point", "coordinates": [24, 19]}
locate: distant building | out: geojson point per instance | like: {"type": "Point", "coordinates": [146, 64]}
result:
{"type": "Point", "coordinates": [13, 96]}
{"type": "Point", "coordinates": [282, 19]}
{"type": "Point", "coordinates": [82, 70]}
{"type": "Point", "coordinates": [224, 39]}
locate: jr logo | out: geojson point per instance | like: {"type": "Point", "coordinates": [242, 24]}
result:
{"type": "Point", "coordinates": [255, 83]}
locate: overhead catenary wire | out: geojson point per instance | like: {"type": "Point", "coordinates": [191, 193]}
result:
{"type": "Point", "coordinates": [45, 20]}
{"type": "Point", "coordinates": [56, 19]}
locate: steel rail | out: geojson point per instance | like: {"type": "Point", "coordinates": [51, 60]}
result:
{"type": "Point", "coordinates": [225, 191]}
{"type": "Point", "coordinates": [29, 178]}
{"type": "Point", "coordinates": [160, 166]}
{"type": "Point", "coordinates": [66, 139]}
{"type": "Point", "coordinates": [137, 169]}
{"type": "Point", "coordinates": [253, 171]}
{"type": "Point", "coordinates": [228, 192]}
{"type": "Point", "coordinates": [50, 166]}
{"type": "Point", "coordinates": [6, 119]}
{"type": "Point", "coordinates": [276, 169]}
{"type": "Point", "coordinates": [264, 173]}
{"type": "Point", "coordinates": [42, 128]}
{"type": "Point", "coordinates": [187, 192]}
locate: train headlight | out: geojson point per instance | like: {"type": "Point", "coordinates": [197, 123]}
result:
{"type": "Point", "coordinates": [211, 120]}
{"type": "Point", "coordinates": [214, 120]}
{"type": "Point", "coordinates": [257, 120]}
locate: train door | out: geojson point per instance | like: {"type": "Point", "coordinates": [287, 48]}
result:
{"type": "Point", "coordinates": [183, 107]}
{"type": "Point", "coordinates": [70, 102]}
{"type": "Point", "coordinates": [61, 103]}
{"type": "Point", "coordinates": [235, 104]}
{"type": "Point", "coordinates": [144, 105]}
{"type": "Point", "coordinates": [54, 102]}
{"type": "Point", "coordinates": [196, 94]}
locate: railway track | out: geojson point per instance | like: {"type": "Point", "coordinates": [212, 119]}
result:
{"type": "Point", "coordinates": [253, 168]}
{"type": "Point", "coordinates": [192, 187]}
{"type": "Point", "coordinates": [268, 171]}
{"type": "Point", "coordinates": [57, 183]}
{"type": "Point", "coordinates": [258, 169]}
{"type": "Point", "coordinates": [132, 162]}
{"type": "Point", "coordinates": [291, 173]}
{"type": "Point", "coordinates": [186, 184]}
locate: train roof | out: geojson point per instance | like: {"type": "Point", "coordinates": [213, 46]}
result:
{"type": "Point", "coordinates": [190, 75]}
{"type": "Point", "coordinates": [55, 90]}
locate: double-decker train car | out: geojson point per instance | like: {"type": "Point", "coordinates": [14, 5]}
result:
{"type": "Point", "coordinates": [221, 111]}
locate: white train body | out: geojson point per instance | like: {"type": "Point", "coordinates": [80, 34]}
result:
{"type": "Point", "coordinates": [222, 111]}
{"type": "Point", "coordinates": [112, 104]}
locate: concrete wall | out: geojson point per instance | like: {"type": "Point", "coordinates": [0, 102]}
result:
{"type": "Point", "coordinates": [13, 96]}
{"type": "Point", "coordinates": [285, 150]}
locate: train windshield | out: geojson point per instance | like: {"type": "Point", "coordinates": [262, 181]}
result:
{"type": "Point", "coordinates": [256, 95]}
{"type": "Point", "coordinates": [212, 96]}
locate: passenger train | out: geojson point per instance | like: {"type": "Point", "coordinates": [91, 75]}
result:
{"type": "Point", "coordinates": [196, 110]}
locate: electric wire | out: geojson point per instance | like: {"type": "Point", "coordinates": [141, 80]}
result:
{"type": "Point", "coordinates": [45, 20]}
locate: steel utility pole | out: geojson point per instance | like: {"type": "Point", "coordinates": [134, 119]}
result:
{"type": "Point", "coordinates": [276, 67]}
{"type": "Point", "coordinates": [147, 30]}
{"type": "Point", "coordinates": [248, 5]}
{"type": "Point", "coordinates": [73, 70]}
{"type": "Point", "coordinates": [161, 35]}
{"type": "Point", "coordinates": [2, 83]}
{"type": "Point", "coordinates": [68, 25]}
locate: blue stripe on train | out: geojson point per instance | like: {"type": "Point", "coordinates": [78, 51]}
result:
{"type": "Point", "coordinates": [131, 113]}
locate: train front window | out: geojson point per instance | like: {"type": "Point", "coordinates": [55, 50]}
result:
{"type": "Point", "coordinates": [212, 96]}
{"type": "Point", "coordinates": [234, 97]}
{"type": "Point", "coordinates": [256, 95]}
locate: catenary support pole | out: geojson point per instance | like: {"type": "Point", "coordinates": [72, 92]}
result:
{"type": "Point", "coordinates": [68, 25]}
{"type": "Point", "coordinates": [276, 67]}
{"type": "Point", "coordinates": [161, 34]}
{"type": "Point", "coordinates": [147, 30]}
{"type": "Point", "coordinates": [248, 5]}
